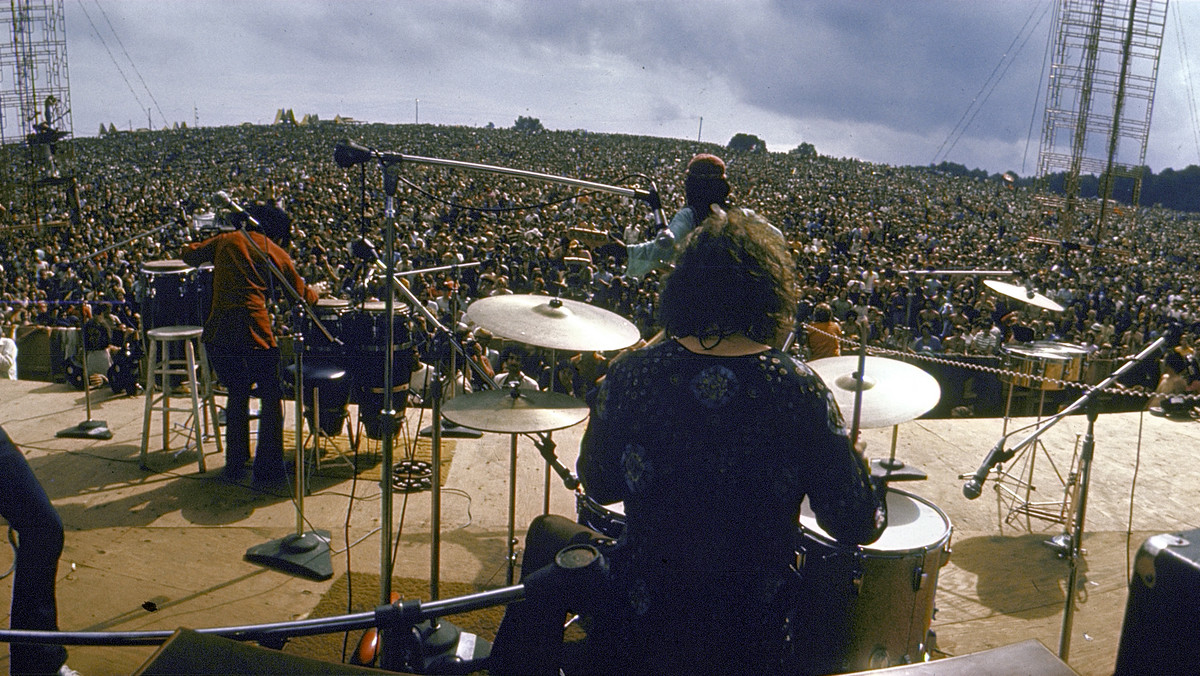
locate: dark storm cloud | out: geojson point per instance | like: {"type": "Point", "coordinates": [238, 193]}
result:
{"type": "Point", "coordinates": [883, 81]}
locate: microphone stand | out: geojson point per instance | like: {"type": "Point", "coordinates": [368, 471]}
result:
{"type": "Point", "coordinates": [301, 553]}
{"type": "Point", "coordinates": [1069, 545]}
{"type": "Point", "coordinates": [346, 155]}
{"type": "Point", "coordinates": [95, 429]}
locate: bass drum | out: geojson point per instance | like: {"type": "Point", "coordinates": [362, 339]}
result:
{"type": "Point", "coordinates": [869, 607]}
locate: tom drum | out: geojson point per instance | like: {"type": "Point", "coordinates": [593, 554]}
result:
{"type": "Point", "coordinates": [871, 606]}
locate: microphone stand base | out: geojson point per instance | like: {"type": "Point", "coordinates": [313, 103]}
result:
{"type": "Point", "coordinates": [88, 429]}
{"type": "Point", "coordinates": [303, 554]}
{"type": "Point", "coordinates": [452, 431]}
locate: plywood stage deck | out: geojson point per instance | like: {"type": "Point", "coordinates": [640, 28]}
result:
{"type": "Point", "coordinates": [173, 539]}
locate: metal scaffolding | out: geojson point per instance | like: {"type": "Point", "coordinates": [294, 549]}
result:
{"type": "Point", "coordinates": [1100, 94]}
{"type": "Point", "coordinates": [37, 176]}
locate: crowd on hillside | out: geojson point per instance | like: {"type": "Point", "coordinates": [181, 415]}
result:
{"type": "Point", "coordinates": [868, 238]}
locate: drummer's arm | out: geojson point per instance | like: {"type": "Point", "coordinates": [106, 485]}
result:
{"type": "Point", "coordinates": [848, 503]}
{"type": "Point", "coordinates": [600, 476]}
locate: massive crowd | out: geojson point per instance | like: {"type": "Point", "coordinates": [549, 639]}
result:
{"type": "Point", "coordinates": [868, 238]}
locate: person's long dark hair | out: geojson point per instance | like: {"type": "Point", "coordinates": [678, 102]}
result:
{"type": "Point", "coordinates": [734, 274]}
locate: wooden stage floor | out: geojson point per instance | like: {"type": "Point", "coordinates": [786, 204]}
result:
{"type": "Point", "coordinates": [164, 548]}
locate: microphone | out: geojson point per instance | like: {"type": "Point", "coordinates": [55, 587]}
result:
{"type": "Point", "coordinates": [348, 153]}
{"type": "Point", "coordinates": [974, 486]}
{"type": "Point", "coordinates": [363, 249]}
{"type": "Point", "coordinates": [229, 201]}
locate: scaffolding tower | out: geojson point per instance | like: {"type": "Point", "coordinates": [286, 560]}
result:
{"type": "Point", "coordinates": [1100, 94]}
{"type": "Point", "coordinates": [37, 176]}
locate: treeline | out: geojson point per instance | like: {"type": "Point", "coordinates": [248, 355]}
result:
{"type": "Point", "coordinates": [1171, 189]}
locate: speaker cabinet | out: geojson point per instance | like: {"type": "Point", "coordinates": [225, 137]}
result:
{"type": "Point", "coordinates": [1161, 631]}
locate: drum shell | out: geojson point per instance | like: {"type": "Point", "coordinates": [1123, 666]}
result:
{"type": "Point", "coordinates": [1043, 359]}
{"type": "Point", "coordinates": [170, 295]}
{"type": "Point", "coordinates": [863, 608]}
{"type": "Point", "coordinates": [330, 312]}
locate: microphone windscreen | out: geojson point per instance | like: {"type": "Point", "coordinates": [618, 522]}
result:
{"type": "Point", "coordinates": [347, 154]}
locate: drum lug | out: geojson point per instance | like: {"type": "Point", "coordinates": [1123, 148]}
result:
{"type": "Point", "coordinates": [918, 579]}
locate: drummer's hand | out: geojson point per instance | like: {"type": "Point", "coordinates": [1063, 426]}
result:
{"type": "Point", "coordinates": [320, 288]}
{"type": "Point", "coordinates": [861, 447]}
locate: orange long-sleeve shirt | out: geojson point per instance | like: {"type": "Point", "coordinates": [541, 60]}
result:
{"type": "Point", "coordinates": [239, 318]}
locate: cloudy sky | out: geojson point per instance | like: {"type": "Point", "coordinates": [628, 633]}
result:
{"type": "Point", "coordinates": [909, 82]}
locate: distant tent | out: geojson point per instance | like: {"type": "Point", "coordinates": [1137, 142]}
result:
{"type": "Point", "coordinates": [102, 130]}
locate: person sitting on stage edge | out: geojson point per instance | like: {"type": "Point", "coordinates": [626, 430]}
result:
{"type": "Point", "coordinates": [24, 504]}
{"type": "Point", "coordinates": [238, 336]}
{"type": "Point", "coordinates": [711, 439]}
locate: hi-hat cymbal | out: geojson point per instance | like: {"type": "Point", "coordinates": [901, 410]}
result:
{"type": "Point", "coordinates": [1023, 294]}
{"type": "Point", "coordinates": [893, 391]}
{"type": "Point", "coordinates": [555, 323]}
{"type": "Point", "coordinates": [528, 411]}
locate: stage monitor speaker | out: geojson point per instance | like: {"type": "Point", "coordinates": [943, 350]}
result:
{"type": "Point", "coordinates": [1027, 658]}
{"type": "Point", "coordinates": [1161, 630]}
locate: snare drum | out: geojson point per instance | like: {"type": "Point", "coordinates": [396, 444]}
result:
{"type": "Point", "coordinates": [169, 295]}
{"type": "Point", "coordinates": [871, 606]}
{"type": "Point", "coordinates": [1043, 359]}
{"type": "Point", "coordinates": [605, 519]}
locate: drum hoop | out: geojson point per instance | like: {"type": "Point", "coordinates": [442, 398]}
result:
{"type": "Point", "coordinates": [874, 553]}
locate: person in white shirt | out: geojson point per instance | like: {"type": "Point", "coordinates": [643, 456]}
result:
{"type": "Point", "coordinates": [8, 353]}
{"type": "Point", "coordinates": [510, 361]}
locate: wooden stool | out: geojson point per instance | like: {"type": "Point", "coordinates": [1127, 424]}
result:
{"type": "Point", "coordinates": [161, 366]}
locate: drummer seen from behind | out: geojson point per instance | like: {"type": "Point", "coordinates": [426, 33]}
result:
{"type": "Point", "coordinates": [711, 439]}
{"type": "Point", "coordinates": [238, 335]}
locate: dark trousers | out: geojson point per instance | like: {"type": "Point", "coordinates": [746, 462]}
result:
{"type": "Point", "coordinates": [240, 370]}
{"type": "Point", "coordinates": [530, 638]}
{"type": "Point", "coordinates": [24, 504]}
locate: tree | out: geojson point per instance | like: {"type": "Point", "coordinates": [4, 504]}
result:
{"type": "Point", "coordinates": [747, 143]}
{"type": "Point", "coordinates": [806, 151]}
{"type": "Point", "coordinates": [528, 125]}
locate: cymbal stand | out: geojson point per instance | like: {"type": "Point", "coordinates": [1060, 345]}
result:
{"type": "Point", "coordinates": [1015, 485]}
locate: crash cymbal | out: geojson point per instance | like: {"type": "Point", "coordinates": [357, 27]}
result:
{"type": "Point", "coordinates": [893, 391]}
{"type": "Point", "coordinates": [1023, 294]}
{"type": "Point", "coordinates": [556, 323]}
{"type": "Point", "coordinates": [527, 411]}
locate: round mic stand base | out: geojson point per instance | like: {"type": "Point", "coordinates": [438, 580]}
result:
{"type": "Point", "coordinates": [304, 554]}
